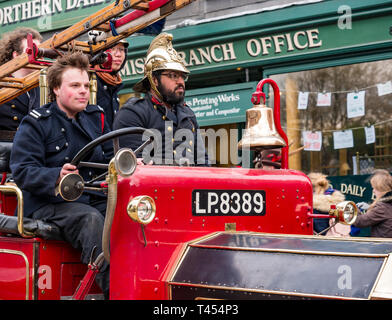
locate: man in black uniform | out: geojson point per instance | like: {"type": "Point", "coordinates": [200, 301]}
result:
{"type": "Point", "coordinates": [47, 140]}
{"type": "Point", "coordinates": [12, 44]}
{"type": "Point", "coordinates": [177, 138]}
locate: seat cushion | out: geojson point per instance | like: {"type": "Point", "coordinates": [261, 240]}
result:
{"type": "Point", "coordinates": [5, 153]}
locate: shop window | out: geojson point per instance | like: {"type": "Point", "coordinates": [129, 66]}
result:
{"type": "Point", "coordinates": [360, 97]}
{"type": "Point", "coordinates": [221, 143]}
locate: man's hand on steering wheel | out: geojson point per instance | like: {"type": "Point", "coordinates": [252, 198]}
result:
{"type": "Point", "coordinates": [66, 169]}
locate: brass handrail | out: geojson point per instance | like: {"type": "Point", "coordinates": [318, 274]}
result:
{"type": "Point", "coordinates": [111, 179]}
{"type": "Point", "coordinates": [19, 197]}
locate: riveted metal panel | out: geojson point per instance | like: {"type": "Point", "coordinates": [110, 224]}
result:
{"type": "Point", "coordinates": [260, 266]}
{"type": "Point", "coordinates": [353, 246]}
{"type": "Point", "coordinates": [180, 292]}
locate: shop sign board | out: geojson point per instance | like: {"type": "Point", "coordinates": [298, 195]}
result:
{"type": "Point", "coordinates": [46, 15]}
{"type": "Point", "coordinates": [218, 45]}
{"type": "Point", "coordinates": [355, 188]}
{"type": "Point", "coordinates": [221, 105]}
{"type": "Point", "coordinates": [270, 47]}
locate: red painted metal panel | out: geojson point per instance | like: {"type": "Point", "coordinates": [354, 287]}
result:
{"type": "Point", "coordinates": [71, 275]}
{"type": "Point", "coordinates": [138, 271]}
{"type": "Point", "coordinates": [59, 271]}
{"type": "Point", "coordinates": [15, 287]}
{"type": "Point", "coordinates": [16, 269]}
{"type": "Point", "coordinates": [52, 281]}
{"type": "Point", "coordinates": [7, 203]}
{"type": "Point", "coordinates": [38, 269]}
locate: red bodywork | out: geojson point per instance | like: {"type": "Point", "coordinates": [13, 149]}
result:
{"type": "Point", "coordinates": [141, 272]}
{"type": "Point", "coordinates": [35, 269]}
{"type": "Point", "coordinates": [143, 259]}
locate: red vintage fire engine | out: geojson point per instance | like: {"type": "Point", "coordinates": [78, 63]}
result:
{"type": "Point", "coordinates": [179, 232]}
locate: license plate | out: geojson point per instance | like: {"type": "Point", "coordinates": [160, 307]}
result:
{"type": "Point", "coordinates": [228, 202]}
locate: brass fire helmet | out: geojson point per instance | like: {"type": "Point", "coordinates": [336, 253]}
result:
{"type": "Point", "coordinates": [260, 132]}
{"type": "Point", "coordinates": [160, 56]}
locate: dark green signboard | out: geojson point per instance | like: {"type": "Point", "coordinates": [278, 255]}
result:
{"type": "Point", "coordinates": [220, 105]}
{"type": "Point", "coordinates": [356, 188]}
{"type": "Point", "coordinates": [46, 15]}
{"type": "Point", "coordinates": [266, 38]}
{"type": "Point", "coordinates": [264, 47]}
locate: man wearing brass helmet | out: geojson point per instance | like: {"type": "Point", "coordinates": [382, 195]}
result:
{"type": "Point", "coordinates": [177, 139]}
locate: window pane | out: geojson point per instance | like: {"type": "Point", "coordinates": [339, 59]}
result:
{"type": "Point", "coordinates": [339, 81]}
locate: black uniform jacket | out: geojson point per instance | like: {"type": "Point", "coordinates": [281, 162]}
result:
{"type": "Point", "coordinates": [108, 100]}
{"type": "Point", "coordinates": [45, 141]}
{"type": "Point", "coordinates": [13, 111]}
{"type": "Point", "coordinates": [176, 133]}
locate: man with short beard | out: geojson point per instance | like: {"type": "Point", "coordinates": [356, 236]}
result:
{"type": "Point", "coordinates": [177, 138]}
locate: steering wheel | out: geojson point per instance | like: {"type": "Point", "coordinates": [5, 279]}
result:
{"type": "Point", "coordinates": [113, 135]}
{"type": "Point", "coordinates": [72, 184]}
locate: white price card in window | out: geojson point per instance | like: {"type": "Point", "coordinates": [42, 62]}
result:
{"type": "Point", "coordinates": [384, 88]}
{"type": "Point", "coordinates": [343, 139]}
{"type": "Point", "coordinates": [312, 140]}
{"type": "Point", "coordinates": [355, 104]}
{"type": "Point", "coordinates": [370, 134]}
{"type": "Point", "coordinates": [303, 100]}
{"type": "Point", "coordinates": [324, 99]}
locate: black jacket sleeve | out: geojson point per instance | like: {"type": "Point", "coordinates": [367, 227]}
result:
{"type": "Point", "coordinates": [28, 156]}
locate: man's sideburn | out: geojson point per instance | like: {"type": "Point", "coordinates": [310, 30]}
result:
{"type": "Point", "coordinates": [169, 96]}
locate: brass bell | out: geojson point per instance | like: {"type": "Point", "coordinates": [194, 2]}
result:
{"type": "Point", "coordinates": [260, 132]}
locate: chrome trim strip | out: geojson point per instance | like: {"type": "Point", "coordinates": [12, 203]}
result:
{"type": "Point", "coordinates": [275, 235]}
{"type": "Point", "coordinates": [326, 253]}
{"type": "Point", "coordinates": [288, 293]}
{"type": "Point", "coordinates": [35, 276]}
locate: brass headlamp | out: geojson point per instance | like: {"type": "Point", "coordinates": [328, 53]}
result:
{"type": "Point", "coordinates": [345, 212]}
{"type": "Point", "coordinates": [142, 209]}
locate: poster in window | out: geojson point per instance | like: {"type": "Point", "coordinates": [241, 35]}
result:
{"type": "Point", "coordinates": [355, 104]}
{"type": "Point", "coordinates": [312, 140]}
{"type": "Point", "coordinates": [370, 135]}
{"type": "Point", "coordinates": [324, 99]}
{"type": "Point", "coordinates": [384, 88]}
{"type": "Point", "coordinates": [303, 100]}
{"type": "Point", "coordinates": [343, 139]}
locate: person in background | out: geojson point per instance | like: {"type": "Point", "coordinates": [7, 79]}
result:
{"type": "Point", "coordinates": [13, 44]}
{"type": "Point", "coordinates": [378, 215]}
{"type": "Point", "coordinates": [109, 84]}
{"type": "Point", "coordinates": [323, 197]}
